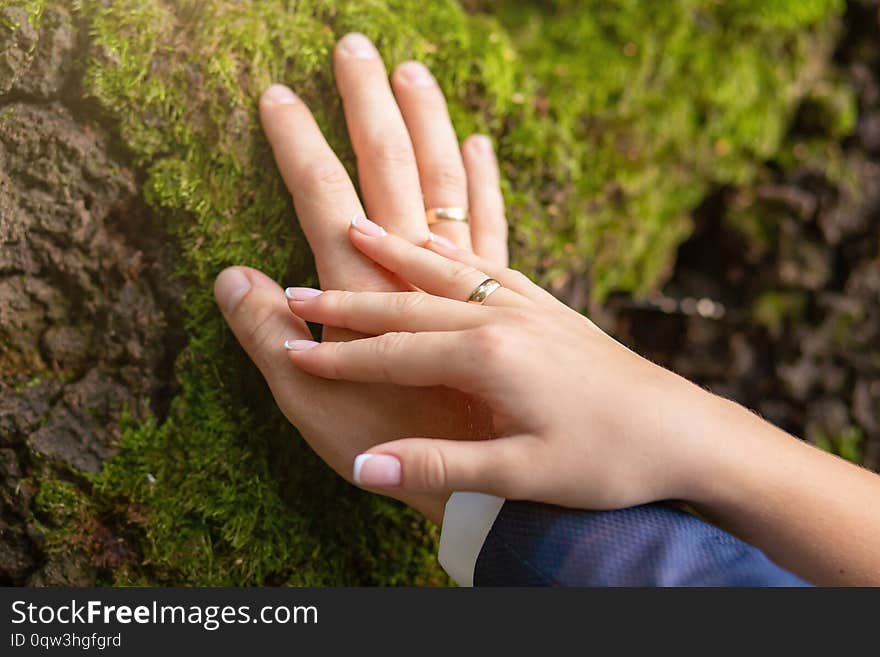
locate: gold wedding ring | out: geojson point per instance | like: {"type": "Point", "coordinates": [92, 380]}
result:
{"type": "Point", "coordinates": [483, 290]}
{"type": "Point", "coordinates": [433, 215]}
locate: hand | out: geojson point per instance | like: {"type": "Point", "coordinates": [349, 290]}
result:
{"type": "Point", "coordinates": [583, 421]}
{"type": "Point", "coordinates": [408, 157]}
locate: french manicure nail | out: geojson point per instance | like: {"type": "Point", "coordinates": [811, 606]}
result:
{"type": "Point", "coordinates": [358, 45]}
{"type": "Point", "coordinates": [442, 241]}
{"type": "Point", "coordinates": [360, 223]}
{"type": "Point", "coordinates": [301, 293]}
{"type": "Point", "coordinates": [280, 95]}
{"type": "Point", "coordinates": [299, 345]}
{"type": "Point", "coordinates": [377, 470]}
{"type": "Point", "coordinates": [417, 74]}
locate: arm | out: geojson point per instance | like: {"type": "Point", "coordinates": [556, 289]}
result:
{"type": "Point", "coordinates": [810, 511]}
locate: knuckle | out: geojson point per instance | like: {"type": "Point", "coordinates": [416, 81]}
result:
{"type": "Point", "coordinates": [332, 354]}
{"type": "Point", "coordinates": [464, 273]}
{"type": "Point", "coordinates": [491, 343]}
{"type": "Point", "coordinates": [335, 305]}
{"type": "Point", "coordinates": [393, 152]}
{"type": "Point", "coordinates": [386, 346]}
{"type": "Point", "coordinates": [433, 472]}
{"type": "Point", "coordinates": [325, 176]}
{"type": "Point", "coordinates": [445, 178]}
{"type": "Point", "coordinates": [260, 333]}
{"type": "Point", "coordinates": [407, 303]}
{"type": "Point", "coordinates": [389, 343]}
{"type": "Point", "coordinates": [324, 304]}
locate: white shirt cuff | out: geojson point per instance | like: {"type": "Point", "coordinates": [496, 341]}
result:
{"type": "Point", "coordinates": [466, 524]}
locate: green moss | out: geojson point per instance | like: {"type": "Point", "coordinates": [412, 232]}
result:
{"type": "Point", "coordinates": [611, 118]}
{"type": "Point", "coordinates": [65, 513]}
{"type": "Point", "coordinates": [61, 501]}
{"type": "Point", "coordinates": [33, 12]}
{"type": "Point", "coordinates": [637, 109]}
{"type": "Point", "coordinates": [19, 25]}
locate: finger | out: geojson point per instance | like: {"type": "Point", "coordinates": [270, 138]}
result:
{"type": "Point", "coordinates": [425, 269]}
{"type": "Point", "coordinates": [374, 313]}
{"type": "Point", "coordinates": [323, 194]}
{"type": "Point", "coordinates": [441, 171]}
{"type": "Point", "coordinates": [501, 466]}
{"type": "Point", "coordinates": [407, 359]}
{"type": "Point", "coordinates": [254, 308]}
{"type": "Point", "coordinates": [389, 179]}
{"type": "Point", "coordinates": [509, 278]}
{"type": "Point", "coordinates": [487, 221]}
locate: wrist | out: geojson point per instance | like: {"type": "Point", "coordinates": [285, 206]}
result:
{"type": "Point", "coordinates": [738, 456]}
{"type": "Point", "coordinates": [688, 427]}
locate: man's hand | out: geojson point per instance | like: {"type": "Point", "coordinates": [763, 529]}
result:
{"type": "Point", "coordinates": [408, 159]}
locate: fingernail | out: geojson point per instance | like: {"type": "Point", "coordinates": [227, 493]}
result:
{"type": "Point", "coordinates": [361, 224]}
{"type": "Point", "coordinates": [377, 470]}
{"type": "Point", "coordinates": [280, 95]}
{"type": "Point", "coordinates": [417, 74]}
{"type": "Point", "coordinates": [299, 345]}
{"type": "Point", "coordinates": [482, 145]}
{"type": "Point", "coordinates": [358, 45]}
{"type": "Point", "coordinates": [441, 241]}
{"type": "Point", "coordinates": [301, 293]}
{"type": "Point", "coordinates": [230, 287]}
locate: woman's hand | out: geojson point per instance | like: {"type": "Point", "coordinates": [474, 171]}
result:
{"type": "Point", "coordinates": [583, 421]}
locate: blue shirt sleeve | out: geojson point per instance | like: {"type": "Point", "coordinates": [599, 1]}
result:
{"type": "Point", "coordinates": [533, 544]}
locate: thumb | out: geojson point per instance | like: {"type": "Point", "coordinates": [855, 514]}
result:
{"type": "Point", "coordinates": [256, 311]}
{"type": "Point", "coordinates": [500, 466]}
